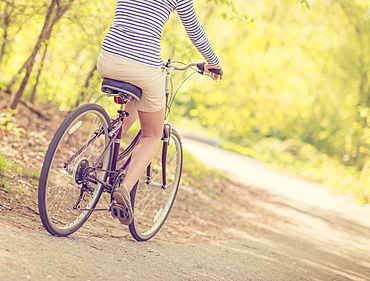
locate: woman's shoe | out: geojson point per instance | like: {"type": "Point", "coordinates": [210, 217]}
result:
{"type": "Point", "coordinates": [122, 197]}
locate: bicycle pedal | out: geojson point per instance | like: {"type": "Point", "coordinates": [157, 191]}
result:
{"type": "Point", "coordinates": [119, 211]}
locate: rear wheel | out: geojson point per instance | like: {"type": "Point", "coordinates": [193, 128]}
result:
{"type": "Point", "coordinates": [152, 201]}
{"type": "Point", "coordinates": [67, 188]}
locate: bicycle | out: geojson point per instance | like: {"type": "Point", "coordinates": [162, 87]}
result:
{"type": "Point", "coordinates": [81, 164]}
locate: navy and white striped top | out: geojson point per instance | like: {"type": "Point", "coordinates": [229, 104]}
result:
{"type": "Point", "coordinates": [137, 30]}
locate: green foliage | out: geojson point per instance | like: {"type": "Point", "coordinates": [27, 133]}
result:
{"type": "Point", "coordinates": [71, 51]}
{"type": "Point", "coordinates": [34, 174]}
{"type": "Point", "coordinates": [7, 164]}
{"type": "Point", "coordinates": [7, 122]}
{"type": "Point", "coordinates": [291, 77]}
{"type": "Point", "coordinates": [289, 73]}
{"type": "Point", "coordinates": [196, 172]}
{"type": "Point", "coordinates": [304, 2]}
{"type": "Point", "coordinates": [305, 161]}
{"type": "Point", "coordinates": [4, 163]}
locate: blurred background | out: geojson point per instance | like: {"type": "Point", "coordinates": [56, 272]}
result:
{"type": "Point", "coordinates": [296, 89]}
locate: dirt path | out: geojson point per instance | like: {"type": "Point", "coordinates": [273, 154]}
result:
{"type": "Point", "coordinates": [280, 229]}
{"type": "Point", "coordinates": [325, 236]}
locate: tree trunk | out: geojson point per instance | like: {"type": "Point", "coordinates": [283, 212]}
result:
{"type": "Point", "coordinates": [55, 12]}
{"type": "Point", "coordinates": [33, 93]}
{"type": "Point", "coordinates": [86, 86]}
{"type": "Point", "coordinates": [7, 15]}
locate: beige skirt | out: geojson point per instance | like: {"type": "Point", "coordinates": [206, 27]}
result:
{"type": "Point", "coordinates": [150, 79]}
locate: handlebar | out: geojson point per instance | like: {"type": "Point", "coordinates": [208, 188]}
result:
{"type": "Point", "coordinates": [213, 70]}
{"type": "Point", "coordinates": [199, 65]}
{"type": "Point", "coordinates": [171, 66]}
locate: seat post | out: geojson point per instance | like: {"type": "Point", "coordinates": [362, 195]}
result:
{"type": "Point", "coordinates": [122, 111]}
{"type": "Point", "coordinates": [123, 107]}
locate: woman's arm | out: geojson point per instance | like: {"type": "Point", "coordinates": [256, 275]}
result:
{"type": "Point", "coordinates": [186, 12]}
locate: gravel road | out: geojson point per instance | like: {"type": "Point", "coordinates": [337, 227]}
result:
{"type": "Point", "coordinates": [323, 236]}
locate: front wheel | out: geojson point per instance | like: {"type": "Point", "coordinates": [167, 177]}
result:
{"type": "Point", "coordinates": [151, 199]}
{"type": "Point", "coordinates": [66, 194]}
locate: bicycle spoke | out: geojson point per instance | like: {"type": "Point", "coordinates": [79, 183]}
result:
{"type": "Point", "coordinates": [151, 200]}
{"type": "Point", "coordinates": [74, 148]}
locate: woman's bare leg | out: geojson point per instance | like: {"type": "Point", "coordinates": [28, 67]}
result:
{"type": "Point", "coordinates": [131, 118]}
{"type": "Point", "coordinates": [152, 129]}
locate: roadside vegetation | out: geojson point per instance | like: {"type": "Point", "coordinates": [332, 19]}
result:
{"type": "Point", "coordinates": [305, 161]}
{"type": "Point", "coordinates": [295, 93]}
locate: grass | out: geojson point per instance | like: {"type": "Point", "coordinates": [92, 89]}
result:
{"type": "Point", "coordinates": [34, 174]}
{"type": "Point", "coordinates": [6, 184]}
{"type": "Point", "coordinates": [297, 159]}
{"type": "Point", "coordinates": [5, 163]}
{"type": "Point", "coordinates": [196, 173]}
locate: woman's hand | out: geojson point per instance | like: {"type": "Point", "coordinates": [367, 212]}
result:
{"type": "Point", "coordinates": [215, 76]}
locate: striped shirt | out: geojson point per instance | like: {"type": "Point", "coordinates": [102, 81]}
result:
{"type": "Point", "coordinates": [137, 30]}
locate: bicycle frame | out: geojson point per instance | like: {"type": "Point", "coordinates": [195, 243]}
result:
{"type": "Point", "coordinates": [84, 160]}
{"type": "Point", "coordinates": [115, 142]}
{"type": "Point", "coordinates": [166, 136]}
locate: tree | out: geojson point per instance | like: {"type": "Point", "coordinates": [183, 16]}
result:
{"type": "Point", "coordinates": [359, 29]}
{"type": "Point", "coordinates": [55, 11]}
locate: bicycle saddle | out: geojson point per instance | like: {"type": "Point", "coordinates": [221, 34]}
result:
{"type": "Point", "coordinates": [121, 88]}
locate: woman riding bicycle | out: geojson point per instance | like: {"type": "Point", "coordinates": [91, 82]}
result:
{"type": "Point", "coordinates": [131, 53]}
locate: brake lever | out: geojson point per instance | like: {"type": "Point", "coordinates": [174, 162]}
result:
{"type": "Point", "coordinates": [207, 74]}
{"type": "Point", "coordinates": [213, 70]}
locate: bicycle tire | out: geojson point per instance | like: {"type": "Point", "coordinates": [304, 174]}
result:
{"type": "Point", "coordinates": [151, 202]}
{"type": "Point", "coordinates": [75, 146]}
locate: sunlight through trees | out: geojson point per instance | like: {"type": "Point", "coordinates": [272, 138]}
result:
{"type": "Point", "coordinates": [294, 70]}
